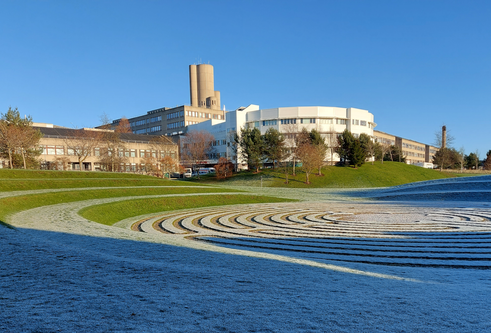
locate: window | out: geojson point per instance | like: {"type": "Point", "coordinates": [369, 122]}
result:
{"type": "Point", "coordinates": [325, 121]}
{"type": "Point", "coordinates": [175, 125]}
{"type": "Point", "coordinates": [288, 121]}
{"type": "Point", "coordinates": [363, 123]}
{"type": "Point", "coordinates": [307, 120]}
{"type": "Point", "coordinates": [269, 122]}
{"type": "Point", "coordinates": [341, 121]}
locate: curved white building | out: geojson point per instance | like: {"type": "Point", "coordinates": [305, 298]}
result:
{"type": "Point", "coordinates": [326, 120]}
{"type": "Point", "coordinates": [322, 118]}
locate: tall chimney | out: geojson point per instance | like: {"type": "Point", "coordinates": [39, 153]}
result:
{"type": "Point", "coordinates": [201, 86]}
{"type": "Point", "coordinates": [444, 137]}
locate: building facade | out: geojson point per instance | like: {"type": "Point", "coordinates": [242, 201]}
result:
{"type": "Point", "coordinates": [416, 153]}
{"type": "Point", "coordinates": [328, 121]}
{"type": "Point", "coordinates": [205, 105]}
{"type": "Point", "coordinates": [136, 153]}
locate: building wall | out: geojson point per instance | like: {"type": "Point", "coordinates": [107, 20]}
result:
{"type": "Point", "coordinates": [171, 121]}
{"type": "Point", "coordinates": [416, 153]}
{"type": "Point", "coordinates": [135, 149]}
{"type": "Point", "coordinates": [286, 120]}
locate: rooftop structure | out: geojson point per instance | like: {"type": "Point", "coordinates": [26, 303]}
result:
{"type": "Point", "coordinates": [205, 105]}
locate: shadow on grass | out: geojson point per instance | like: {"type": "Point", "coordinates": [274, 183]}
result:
{"type": "Point", "coordinates": [6, 225]}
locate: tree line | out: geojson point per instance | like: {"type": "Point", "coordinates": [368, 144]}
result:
{"type": "Point", "coordinates": [310, 149]}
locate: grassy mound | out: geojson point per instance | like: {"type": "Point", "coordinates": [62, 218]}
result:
{"type": "Point", "coordinates": [114, 212]}
{"type": "Point", "coordinates": [16, 204]}
{"type": "Point", "coordinates": [23, 180]}
{"type": "Point", "coordinates": [43, 174]}
{"type": "Point", "coordinates": [366, 176]}
{"type": "Point", "coordinates": [84, 183]}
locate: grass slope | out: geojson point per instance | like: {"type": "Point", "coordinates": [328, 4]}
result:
{"type": "Point", "coordinates": [128, 185]}
{"type": "Point", "coordinates": [43, 174]}
{"type": "Point", "coordinates": [16, 204]}
{"type": "Point", "coordinates": [113, 212]}
{"type": "Point", "coordinates": [366, 176]}
{"type": "Point", "coordinates": [23, 180]}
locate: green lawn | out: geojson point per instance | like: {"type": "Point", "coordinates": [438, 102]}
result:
{"type": "Point", "coordinates": [43, 174]}
{"type": "Point", "coordinates": [113, 212]}
{"type": "Point", "coordinates": [22, 180]}
{"type": "Point", "coordinates": [12, 205]}
{"type": "Point", "coordinates": [366, 176]}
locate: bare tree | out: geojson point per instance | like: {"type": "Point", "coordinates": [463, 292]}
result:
{"type": "Point", "coordinates": [332, 142]}
{"type": "Point", "coordinates": [386, 148]}
{"type": "Point", "coordinates": [461, 158]}
{"type": "Point", "coordinates": [311, 159]}
{"type": "Point", "coordinates": [29, 142]}
{"type": "Point", "coordinates": [197, 146]}
{"type": "Point", "coordinates": [442, 141]}
{"type": "Point", "coordinates": [81, 143]}
{"type": "Point", "coordinates": [168, 165]}
{"type": "Point", "coordinates": [123, 126]}
{"type": "Point", "coordinates": [290, 132]}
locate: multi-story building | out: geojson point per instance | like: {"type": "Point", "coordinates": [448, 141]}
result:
{"type": "Point", "coordinates": [205, 114]}
{"type": "Point", "coordinates": [415, 152]}
{"type": "Point", "coordinates": [134, 151]}
{"type": "Point", "coordinates": [329, 121]}
{"type": "Point", "coordinates": [205, 105]}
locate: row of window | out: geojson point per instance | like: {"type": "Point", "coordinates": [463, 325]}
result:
{"type": "Point", "coordinates": [384, 141]}
{"type": "Point", "coordinates": [303, 121]}
{"type": "Point", "coordinates": [414, 147]}
{"type": "Point", "coordinates": [219, 142]}
{"type": "Point", "coordinates": [175, 125]}
{"type": "Point", "coordinates": [149, 130]}
{"type": "Point", "coordinates": [60, 150]}
{"type": "Point", "coordinates": [358, 122]}
{"type": "Point", "coordinates": [269, 122]}
{"type": "Point", "coordinates": [197, 114]}
{"type": "Point", "coordinates": [138, 123]}
{"type": "Point", "coordinates": [410, 153]}
{"type": "Point", "coordinates": [213, 156]}
{"type": "Point", "coordinates": [127, 167]}
{"type": "Point", "coordinates": [145, 121]}
{"type": "Point", "coordinates": [175, 115]}
{"type": "Point", "coordinates": [188, 122]}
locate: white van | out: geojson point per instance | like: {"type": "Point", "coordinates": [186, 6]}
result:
{"type": "Point", "coordinates": [203, 171]}
{"type": "Point", "coordinates": [188, 172]}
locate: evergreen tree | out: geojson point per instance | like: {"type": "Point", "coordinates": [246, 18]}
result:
{"type": "Point", "coordinates": [345, 143]}
{"type": "Point", "coordinates": [252, 147]}
{"type": "Point", "coordinates": [274, 146]}
{"type": "Point", "coordinates": [357, 154]}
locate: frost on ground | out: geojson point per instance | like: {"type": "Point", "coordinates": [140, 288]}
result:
{"type": "Point", "coordinates": [61, 273]}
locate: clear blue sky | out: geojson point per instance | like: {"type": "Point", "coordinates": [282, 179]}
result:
{"type": "Point", "coordinates": [416, 65]}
